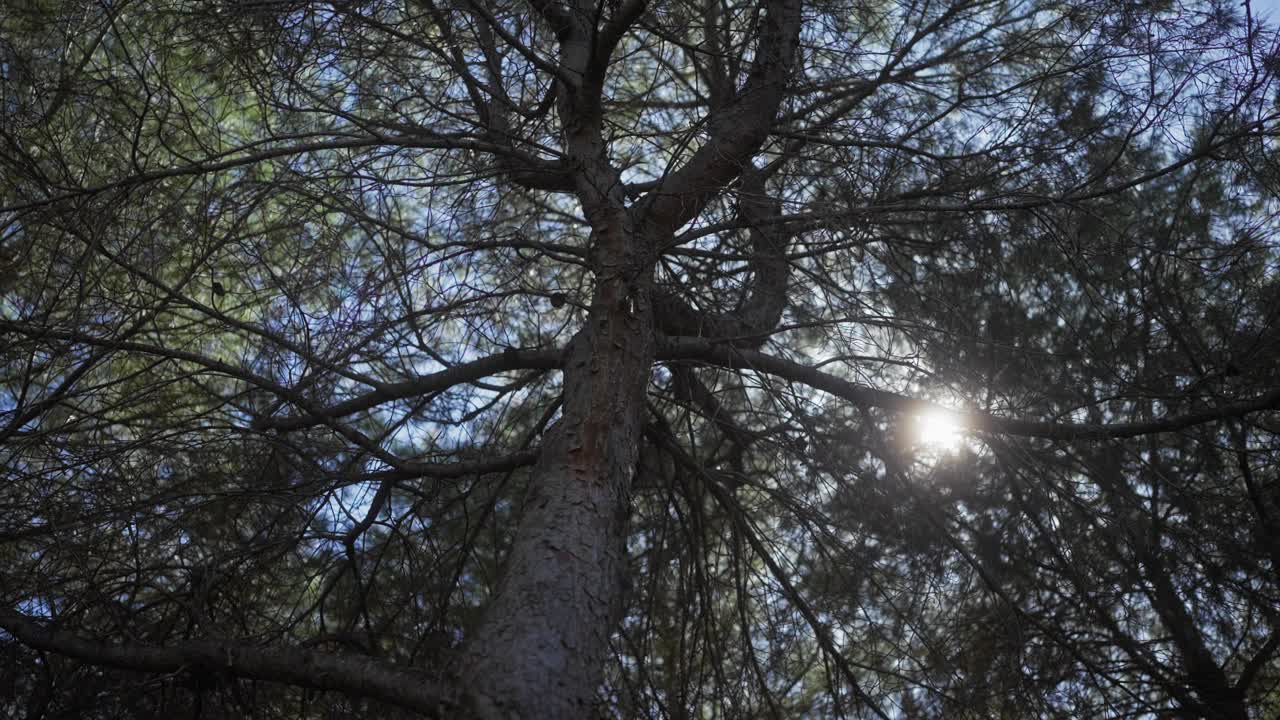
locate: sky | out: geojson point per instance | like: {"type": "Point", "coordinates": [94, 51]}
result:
{"type": "Point", "coordinates": [1267, 9]}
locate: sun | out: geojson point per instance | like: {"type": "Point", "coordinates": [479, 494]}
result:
{"type": "Point", "coordinates": [939, 429]}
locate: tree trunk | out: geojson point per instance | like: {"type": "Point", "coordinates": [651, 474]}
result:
{"type": "Point", "coordinates": [541, 647]}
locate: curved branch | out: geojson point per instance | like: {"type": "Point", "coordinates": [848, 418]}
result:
{"type": "Point", "coordinates": [760, 309]}
{"type": "Point", "coordinates": [527, 171]}
{"type": "Point", "coordinates": [435, 382]}
{"type": "Point", "coordinates": [627, 14]}
{"type": "Point", "coordinates": [727, 356]}
{"type": "Point", "coordinates": [418, 139]}
{"type": "Point", "coordinates": [738, 129]}
{"type": "Point", "coordinates": [346, 674]}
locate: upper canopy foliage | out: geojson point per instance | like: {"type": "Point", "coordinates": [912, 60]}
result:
{"type": "Point", "coordinates": [287, 289]}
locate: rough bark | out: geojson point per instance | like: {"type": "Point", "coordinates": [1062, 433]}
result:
{"type": "Point", "coordinates": [540, 648]}
{"type": "Point", "coordinates": [539, 651]}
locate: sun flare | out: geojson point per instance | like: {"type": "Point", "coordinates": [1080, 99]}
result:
{"type": "Point", "coordinates": [939, 429]}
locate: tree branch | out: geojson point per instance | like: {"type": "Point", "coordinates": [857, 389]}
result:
{"type": "Point", "coordinates": [435, 382]}
{"type": "Point", "coordinates": [417, 139]}
{"type": "Point", "coordinates": [724, 354]}
{"type": "Point", "coordinates": [764, 299]}
{"type": "Point", "coordinates": [738, 129]}
{"type": "Point", "coordinates": [727, 356]}
{"type": "Point", "coordinates": [352, 675]}
{"type": "Point", "coordinates": [461, 468]}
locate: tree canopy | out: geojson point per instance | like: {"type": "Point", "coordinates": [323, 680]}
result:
{"type": "Point", "coordinates": [670, 359]}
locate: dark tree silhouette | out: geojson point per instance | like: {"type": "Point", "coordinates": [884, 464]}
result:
{"type": "Point", "coordinates": [639, 358]}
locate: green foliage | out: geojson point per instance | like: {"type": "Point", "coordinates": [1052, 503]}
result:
{"type": "Point", "coordinates": [234, 236]}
